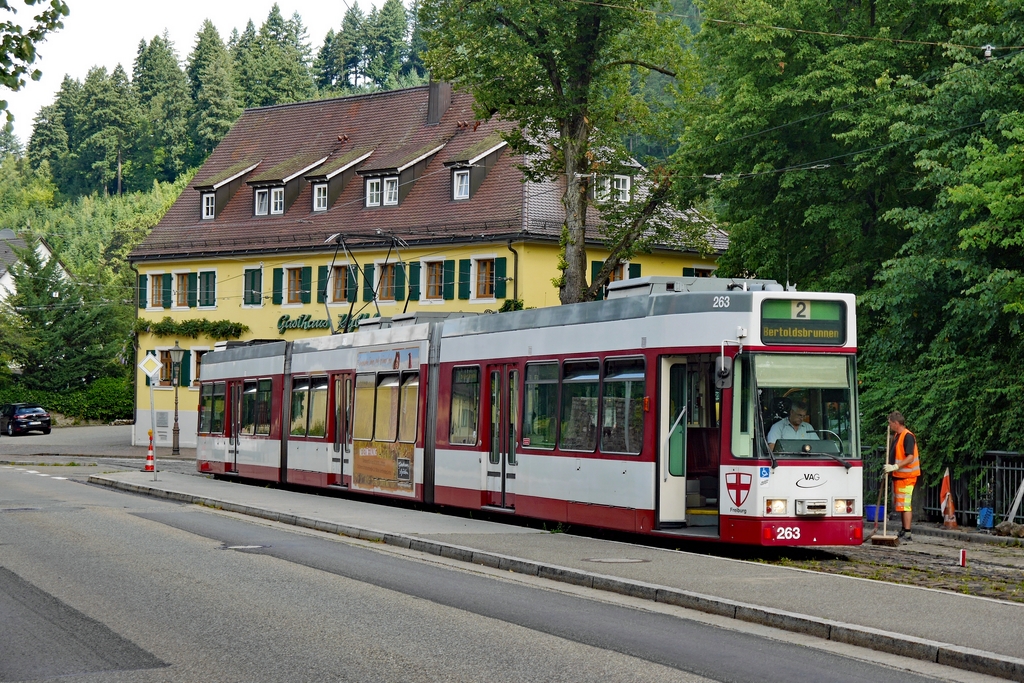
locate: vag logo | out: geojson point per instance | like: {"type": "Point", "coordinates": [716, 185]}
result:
{"type": "Point", "coordinates": [810, 480]}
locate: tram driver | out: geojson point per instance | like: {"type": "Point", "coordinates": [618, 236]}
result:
{"type": "Point", "coordinates": [795, 426]}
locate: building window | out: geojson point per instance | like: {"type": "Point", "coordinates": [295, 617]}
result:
{"type": "Point", "coordinates": [339, 290]}
{"type": "Point", "coordinates": [618, 273]}
{"type": "Point", "coordinates": [698, 272]}
{"type": "Point", "coordinates": [460, 185]}
{"type": "Point", "coordinates": [156, 287]}
{"type": "Point", "coordinates": [181, 299]}
{"type": "Point", "coordinates": [435, 280]}
{"type": "Point", "coordinates": [277, 200]}
{"type": "Point", "coordinates": [373, 192]}
{"type": "Point", "coordinates": [208, 288]}
{"type": "Point", "coordinates": [319, 197]}
{"type": "Point", "coordinates": [465, 405]}
{"type": "Point", "coordinates": [209, 206]}
{"type": "Point", "coordinates": [252, 287]}
{"type": "Point", "coordinates": [295, 285]}
{"type": "Point", "coordinates": [620, 188]}
{"type": "Point", "coordinates": [484, 279]}
{"type": "Point", "coordinates": [165, 369]}
{"type": "Point", "coordinates": [386, 286]}
{"type": "Point", "coordinates": [262, 202]}
{"type": "Point", "coordinates": [390, 191]}
{"type": "Point", "coordinates": [198, 355]}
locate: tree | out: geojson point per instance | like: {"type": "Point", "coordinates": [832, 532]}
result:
{"type": "Point", "coordinates": [386, 46]}
{"type": "Point", "coordinates": [326, 69]}
{"type": "Point", "coordinates": [9, 144]}
{"type": "Point", "coordinates": [162, 92]}
{"type": "Point", "coordinates": [107, 121]}
{"type": "Point", "coordinates": [18, 45]}
{"type": "Point", "coordinates": [215, 109]}
{"type": "Point", "coordinates": [570, 76]}
{"type": "Point", "coordinates": [349, 46]}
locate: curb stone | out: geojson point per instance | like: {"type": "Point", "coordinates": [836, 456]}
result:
{"type": "Point", "coordinates": [946, 654]}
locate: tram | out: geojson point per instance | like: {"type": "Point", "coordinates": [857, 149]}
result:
{"type": "Point", "coordinates": [659, 410]}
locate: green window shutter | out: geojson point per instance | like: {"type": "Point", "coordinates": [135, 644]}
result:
{"type": "Point", "coordinates": [689, 272]}
{"type": "Point", "coordinates": [185, 370]}
{"type": "Point", "coordinates": [595, 268]}
{"type": "Point", "coordinates": [353, 284]}
{"type": "Point", "coordinates": [321, 284]}
{"type": "Point", "coordinates": [307, 284]}
{"type": "Point", "coordinates": [208, 288]}
{"type": "Point", "coordinates": [149, 353]}
{"type": "Point", "coordinates": [465, 266]}
{"type": "Point", "coordinates": [499, 278]}
{"type": "Point", "coordinates": [257, 287]}
{"type": "Point", "coordinates": [448, 286]}
{"type": "Point", "coordinates": [367, 282]}
{"type": "Point", "coordinates": [193, 286]}
{"type": "Point", "coordinates": [634, 271]}
{"type": "Point", "coordinates": [278, 285]}
{"type": "Point", "coordinates": [167, 290]}
{"type": "Point", "coordinates": [247, 278]}
{"type": "Point", "coordinates": [399, 282]}
{"type": "Point", "coordinates": [143, 291]}
{"type": "Point", "coordinates": [414, 281]}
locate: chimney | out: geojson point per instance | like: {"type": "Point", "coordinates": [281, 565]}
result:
{"type": "Point", "coordinates": [438, 101]}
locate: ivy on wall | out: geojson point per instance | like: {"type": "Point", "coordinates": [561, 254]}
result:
{"type": "Point", "coordinates": [168, 327]}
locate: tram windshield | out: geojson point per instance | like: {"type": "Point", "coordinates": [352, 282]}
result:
{"type": "Point", "coordinates": [795, 406]}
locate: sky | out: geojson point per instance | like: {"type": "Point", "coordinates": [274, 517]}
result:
{"type": "Point", "coordinates": [107, 32]}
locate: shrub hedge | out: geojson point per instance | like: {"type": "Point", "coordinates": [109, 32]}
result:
{"type": "Point", "coordinates": [106, 399]}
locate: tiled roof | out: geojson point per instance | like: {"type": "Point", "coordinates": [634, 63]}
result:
{"type": "Point", "coordinates": [465, 153]}
{"type": "Point", "coordinates": [288, 167]}
{"type": "Point", "coordinates": [393, 125]}
{"type": "Point", "coordinates": [7, 256]}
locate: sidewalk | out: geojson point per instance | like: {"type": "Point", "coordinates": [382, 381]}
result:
{"type": "Point", "coordinates": [904, 620]}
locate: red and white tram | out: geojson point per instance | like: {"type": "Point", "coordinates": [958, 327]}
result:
{"type": "Point", "coordinates": [649, 412]}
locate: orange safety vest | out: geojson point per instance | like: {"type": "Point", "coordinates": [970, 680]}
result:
{"type": "Point", "coordinates": [913, 470]}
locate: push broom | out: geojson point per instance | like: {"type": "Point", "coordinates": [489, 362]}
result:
{"type": "Point", "coordinates": [885, 538]}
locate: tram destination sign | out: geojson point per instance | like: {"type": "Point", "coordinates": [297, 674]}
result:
{"type": "Point", "coordinates": [803, 322]}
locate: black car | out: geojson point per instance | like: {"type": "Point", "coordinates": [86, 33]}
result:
{"type": "Point", "coordinates": [19, 418]}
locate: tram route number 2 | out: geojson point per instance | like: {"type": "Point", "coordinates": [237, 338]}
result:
{"type": "Point", "coordinates": [787, 533]}
{"type": "Point", "coordinates": [720, 302]}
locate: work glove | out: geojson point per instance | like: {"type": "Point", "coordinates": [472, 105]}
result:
{"type": "Point", "coordinates": [891, 468]}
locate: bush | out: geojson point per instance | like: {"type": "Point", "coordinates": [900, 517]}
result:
{"type": "Point", "coordinates": [106, 399]}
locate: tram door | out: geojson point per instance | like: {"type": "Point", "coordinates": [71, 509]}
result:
{"type": "Point", "coordinates": [672, 421]}
{"type": "Point", "coordinates": [342, 450]}
{"type": "Point", "coordinates": [234, 424]}
{"type": "Point", "coordinates": [504, 416]}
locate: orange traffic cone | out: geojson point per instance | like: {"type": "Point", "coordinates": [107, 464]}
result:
{"type": "Point", "coordinates": [150, 464]}
{"type": "Point", "coordinates": [946, 498]}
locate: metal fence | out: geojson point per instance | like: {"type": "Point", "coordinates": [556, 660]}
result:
{"type": "Point", "coordinates": [993, 476]}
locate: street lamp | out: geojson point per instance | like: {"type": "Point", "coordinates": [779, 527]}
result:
{"type": "Point", "coordinates": [176, 353]}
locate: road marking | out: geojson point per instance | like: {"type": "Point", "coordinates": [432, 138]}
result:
{"type": "Point", "coordinates": [65, 478]}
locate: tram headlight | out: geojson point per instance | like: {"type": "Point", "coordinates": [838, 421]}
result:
{"type": "Point", "coordinates": [843, 506]}
{"type": "Point", "coordinates": [775, 506]}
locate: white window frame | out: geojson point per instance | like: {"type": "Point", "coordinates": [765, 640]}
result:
{"type": "Point", "coordinates": [374, 192]}
{"type": "Point", "coordinates": [424, 282]}
{"type": "Point", "coordinates": [378, 272]}
{"type": "Point", "coordinates": [320, 197]}
{"type": "Point", "coordinates": [199, 289]}
{"type": "Point", "coordinates": [285, 288]}
{"type": "Point", "coordinates": [209, 206]}
{"type": "Point", "coordinates": [473, 274]}
{"type": "Point", "coordinates": [262, 289]}
{"type": "Point", "coordinates": [277, 200]}
{"type": "Point", "coordinates": [265, 194]}
{"type": "Point", "coordinates": [602, 188]}
{"type": "Point", "coordinates": [150, 306]}
{"type": "Point", "coordinates": [330, 282]}
{"type": "Point", "coordinates": [460, 185]}
{"type": "Point", "coordinates": [620, 187]}
{"type": "Point", "coordinates": [174, 290]}
{"type": "Point", "coordinates": [390, 197]}
{"type": "Point", "coordinates": [194, 383]}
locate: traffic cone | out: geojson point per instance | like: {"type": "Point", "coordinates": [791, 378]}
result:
{"type": "Point", "coordinates": [150, 464]}
{"type": "Point", "coordinates": [946, 496]}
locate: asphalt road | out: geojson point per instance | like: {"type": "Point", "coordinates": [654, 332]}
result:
{"type": "Point", "coordinates": [102, 585]}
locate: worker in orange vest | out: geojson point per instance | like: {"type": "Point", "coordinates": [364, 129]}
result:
{"type": "Point", "coordinates": [905, 468]}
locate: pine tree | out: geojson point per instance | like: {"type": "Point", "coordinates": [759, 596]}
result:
{"type": "Point", "coordinates": [162, 93]}
{"type": "Point", "coordinates": [413, 67]}
{"type": "Point", "coordinates": [208, 46]}
{"type": "Point", "coordinates": [249, 77]}
{"type": "Point", "coordinates": [350, 46]}
{"type": "Point", "coordinates": [107, 121]}
{"type": "Point", "coordinates": [388, 46]}
{"type": "Point", "coordinates": [284, 75]}
{"type": "Point", "coordinates": [216, 108]}
{"type": "Point", "coordinates": [298, 38]}
{"type": "Point", "coordinates": [10, 145]}
{"type": "Point", "coordinates": [325, 66]}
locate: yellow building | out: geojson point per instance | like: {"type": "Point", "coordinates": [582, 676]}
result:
{"type": "Point", "coordinates": [309, 217]}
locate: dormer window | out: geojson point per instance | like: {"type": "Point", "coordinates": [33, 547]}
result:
{"type": "Point", "coordinates": [320, 197]}
{"type": "Point", "coordinates": [277, 200]}
{"type": "Point", "coordinates": [620, 188]}
{"type": "Point", "coordinates": [209, 206]}
{"type": "Point", "coordinates": [614, 188]}
{"type": "Point", "coordinates": [390, 191]}
{"type": "Point", "coordinates": [262, 202]}
{"type": "Point", "coordinates": [373, 192]}
{"type": "Point", "coordinates": [460, 185]}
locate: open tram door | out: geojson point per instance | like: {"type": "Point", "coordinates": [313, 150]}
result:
{"type": "Point", "coordinates": [672, 423]}
{"type": "Point", "coordinates": [503, 383]}
{"type": "Point", "coordinates": [341, 451]}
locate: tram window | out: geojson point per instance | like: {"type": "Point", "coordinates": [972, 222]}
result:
{"type": "Point", "coordinates": [318, 407]}
{"type": "Point", "coordinates": [465, 405]}
{"type": "Point", "coordinates": [494, 456]}
{"type": "Point", "coordinates": [248, 421]}
{"type": "Point", "coordinates": [579, 406]}
{"type": "Point", "coordinates": [622, 414]}
{"type": "Point", "coordinates": [742, 403]}
{"type": "Point", "coordinates": [386, 424]}
{"type": "Point", "coordinates": [300, 406]}
{"type": "Point", "coordinates": [264, 406]}
{"type": "Point", "coordinates": [217, 408]}
{"type": "Point", "coordinates": [343, 406]}
{"type": "Point", "coordinates": [409, 408]}
{"type": "Point", "coordinates": [540, 412]}
{"type": "Point", "coordinates": [205, 408]}
{"type": "Point", "coordinates": [362, 423]}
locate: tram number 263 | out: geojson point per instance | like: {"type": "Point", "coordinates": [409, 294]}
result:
{"type": "Point", "coordinates": [787, 533]}
{"type": "Point", "coordinates": [720, 302]}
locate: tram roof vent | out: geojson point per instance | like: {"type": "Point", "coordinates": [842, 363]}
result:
{"type": "Point", "coordinates": [660, 284]}
{"type": "Point", "coordinates": [225, 345]}
{"type": "Point", "coordinates": [419, 317]}
{"type": "Point", "coordinates": [378, 323]}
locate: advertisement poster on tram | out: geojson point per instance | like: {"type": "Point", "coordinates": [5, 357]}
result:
{"type": "Point", "coordinates": [382, 466]}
